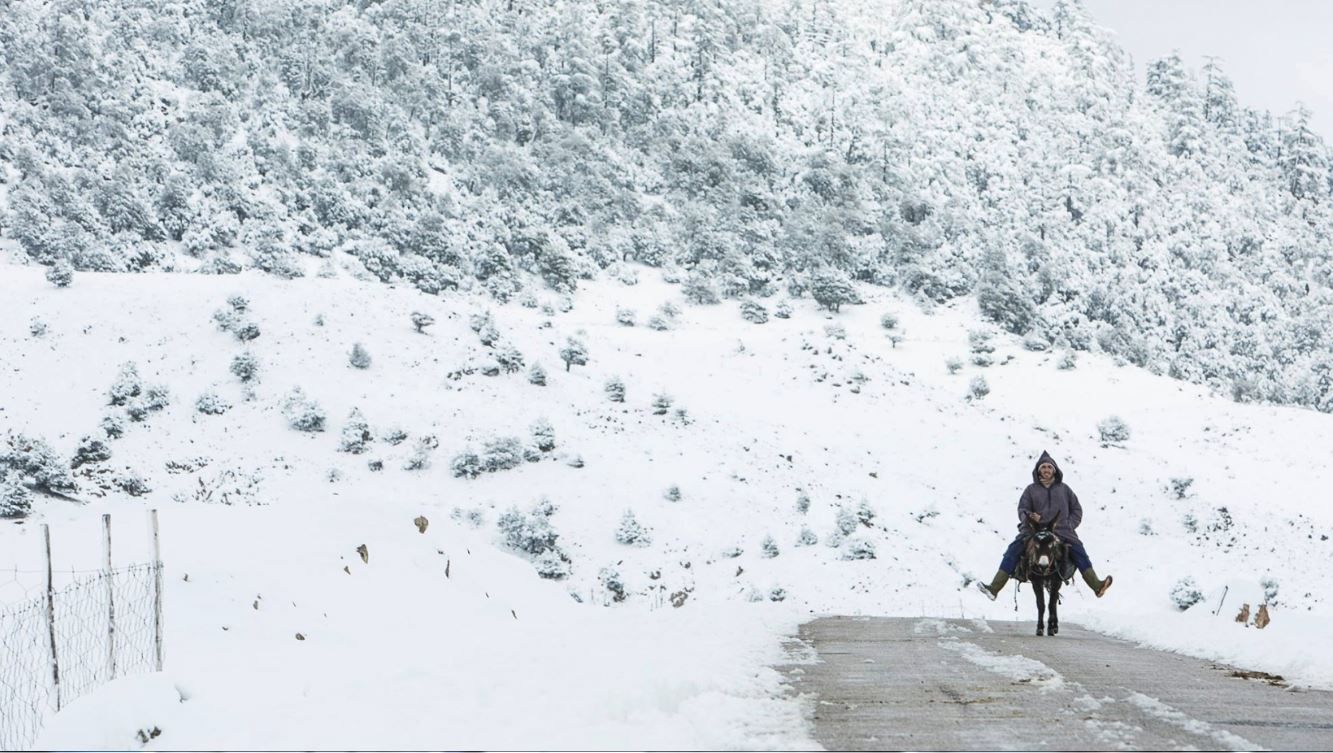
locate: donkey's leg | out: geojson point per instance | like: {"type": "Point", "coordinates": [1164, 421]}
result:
{"type": "Point", "coordinates": [1053, 624]}
{"type": "Point", "coordinates": [1040, 591]}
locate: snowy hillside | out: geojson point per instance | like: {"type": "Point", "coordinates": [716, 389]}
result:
{"type": "Point", "coordinates": [450, 636]}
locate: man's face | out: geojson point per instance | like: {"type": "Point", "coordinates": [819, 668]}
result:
{"type": "Point", "coordinates": [1046, 471]}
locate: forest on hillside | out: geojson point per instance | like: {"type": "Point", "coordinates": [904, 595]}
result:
{"type": "Point", "coordinates": [751, 148]}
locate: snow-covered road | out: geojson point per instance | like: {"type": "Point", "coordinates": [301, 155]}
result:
{"type": "Point", "coordinates": [932, 684]}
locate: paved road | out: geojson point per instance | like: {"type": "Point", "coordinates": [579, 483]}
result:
{"type": "Point", "coordinates": [929, 684]}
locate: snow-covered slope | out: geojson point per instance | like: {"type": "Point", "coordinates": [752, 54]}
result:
{"type": "Point", "coordinates": [447, 637]}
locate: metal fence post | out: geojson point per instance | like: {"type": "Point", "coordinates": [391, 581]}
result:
{"type": "Point", "coordinates": [110, 599]}
{"type": "Point", "coordinates": [51, 615]}
{"type": "Point", "coordinates": [157, 594]}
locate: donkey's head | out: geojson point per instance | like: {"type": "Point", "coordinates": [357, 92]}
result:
{"type": "Point", "coordinates": [1044, 549]}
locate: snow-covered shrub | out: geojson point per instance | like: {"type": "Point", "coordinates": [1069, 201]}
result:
{"type": "Point", "coordinates": [113, 425]}
{"type": "Point", "coordinates": [777, 593]}
{"type": "Point", "coordinates": [835, 331]}
{"type": "Point", "coordinates": [847, 522]}
{"type": "Point", "coordinates": [127, 386]}
{"type": "Point", "coordinates": [831, 288]}
{"type": "Point", "coordinates": [732, 552]}
{"type": "Point", "coordinates": [1269, 584]}
{"type": "Point", "coordinates": [60, 274]}
{"type": "Point", "coordinates": [661, 404]}
{"type": "Point", "coordinates": [615, 389]}
{"type": "Point", "coordinates": [466, 464]}
{"type": "Point", "coordinates": [489, 334]}
{"type": "Point", "coordinates": [1067, 361]}
{"type": "Point", "coordinates": [769, 548]}
{"type": "Point", "coordinates": [953, 365]}
{"type": "Point", "coordinates": [807, 537]}
{"type": "Point", "coordinates": [537, 375]}
{"type": "Point", "coordinates": [529, 533]}
{"type": "Point", "coordinates": [246, 332]}
{"type": "Point", "coordinates": [501, 454]}
{"type": "Point", "coordinates": [1190, 522]}
{"type": "Point", "coordinates": [1145, 528]}
{"type": "Point", "coordinates": [669, 310]}
{"type": "Point", "coordinates": [156, 397]}
{"type": "Point", "coordinates": [700, 289]}
{"type": "Point", "coordinates": [238, 302]}
{"type": "Point", "coordinates": [1185, 593]}
{"type": "Point", "coordinates": [626, 316]}
{"type": "Point", "coordinates": [359, 357]}
{"type": "Point", "coordinates": [631, 533]}
{"type": "Point", "coordinates": [672, 493]}
{"type": "Point", "coordinates": [1180, 486]}
{"type": "Point", "coordinates": [575, 353]}
{"type": "Point", "coordinates": [245, 366]}
{"type": "Point", "coordinates": [1113, 431]}
{"type": "Point", "coordinates": [802, 503]}
{"type": "Point", "coordinates": [132, 484]}
{"type": "Point", "coordinates": [356, 435]}
{"type": "Point", "coordinates": [859, 548]}
{"type": "Point", "coordinates": [543, 435]}
{"type": "Point", "coordinates": [553, 564]}
{"type": "Point", "coordinates": [37, 327]}
{"type": "Point", "coordinates": [865, 514]}
{"type": "Point", "coordinates": [421, 449]}
{"type": "Point", "coordinates": [509, 359]}
{"type": "Point", "coordinates": [375, 464]}
{"type": "Point", "coordinates": [35, 459]}
{"type": "Point", "coordinates": [394, 436]}
{"type": "Point", "coordinates": [211, 403]}
{"type": "Point", "coordinates": [610, 579]}
{"type": "Point", "coordinates": [90, 450]}
{"type": "Point", "coordinates": [682, 417]}
{"type": "Point", "coordinates": [659, 323]}
{"type": "Point", "coordinates": [532, 454]}
{"type": "Point", "coordinates": [302, 413]}
{"type": "Point", "coordinates": [753, 311]}
{"type": "Point", "coordinates": [888, 321]}
{"type": "Point", "coordinates": [15, 499]}
{"type": "Point", "coordinates": [782, 310]}
{"type": "Point", "coordinates": [421, 321]}
{"type": "Point", "coordinates": [1035, 343]}
{"type": "Point", "coordinates": [977, 388]}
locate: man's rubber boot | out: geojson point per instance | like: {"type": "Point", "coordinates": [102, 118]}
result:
{"type": "Point", "coordinates": [993, 590]}
{"type": "Point", "coordinates": [1097, 585]}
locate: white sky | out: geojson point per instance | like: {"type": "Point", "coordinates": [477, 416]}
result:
{"type": "Point", "coordinates": [1276, 52]}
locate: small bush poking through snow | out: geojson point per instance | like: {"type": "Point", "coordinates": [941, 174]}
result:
{"type": "Point", "coordinates": [303, 414]}
{"type": "Point", "coordinates": [553, 565]}
{"type": "Point", "coordinates": [537, 375]}
{"type": "Point", "coordinates": [575, 353]}
{"type": "Point", "coordinates": [501, 454]}
{"type": "Point", "coordinates": [977, 388]}
{"type": "Point", "coordinates": [700, 289]}
{"type": "Point", "coordinates": [610, 579]}
{"type": "Point", "coordinates": [865, 514]}
{"type": "Point", "coordinates": [509, 358]}
{"type": "Point", "coordinates": [533, 535]}
{"type": "Point", "coordinates": [1067, 361]}
{"type": "Point", "coordinates": [420, 457]}
{"type": "Point", "coordinates": [769, 547]}
{"type": "Point", "coordinates": [807, 537]}
{"type": "Point", "coordinates": [659, 323]}
{"type": "Point", "coordinates": [212, 404]}
{"type": "Point", "coordinates": [127, 386]}
{"type": "Point", "coordinates": [1145, 528]}
{"type": "Point", "coordinates": [1113, 431]}
{"type": "Point", "coordinates": [847, 521]}
{"type": "Point", "coordinates": [859, 548]}
{"type": "Point", "coordinates": [1185, 593]}
{"type": "Point", "coordinates": [359, 358]}
{"type": "Point", "coordinates": [356, 435]}
{"type": "Point", "coordinates": [395, 436]}
{"type": "Point", "coordinates": [631, 533]}
{"type": "Point", "coordinates": [37, 327]}
{"type": "Point", "coordinates": [1269, 584]}
{"type": "Point", "coordinates": [754, 312]}
{"type": "Point", "coordinates": [15, 499]}
{"type": "Point", "coordinates": [90, 450]}
{"type": "Point", "coordinates": [802, 503]}
{"type": "Point", "coordinates": [625, 316]}
{"type": "Point", "coordinates": [132, 484]}
{"type": "Point", "coordinates": [246, 367]}
{"type": "Point", "coordinates": [888, 321]}
{"type": "Point", "coordinates": [1180, 487]}
{"type": "Point", "coordinates": [60, 274]}
{"type": "Point", "coordinates": [672, 493]}
{"type": "Point", "coordinates": [114, 426]}
{"type": "Point", "coordinates": [246, 332]}
{"type": "Point", "coordinates": [543, 435]}
{"type": "Point", "coordinates": [615, 389]}
{"type": "Point", "coordinates": [466, 464]}
{"type": "Point", "coordinates": [421, 321]}
{"type": "Point", "coordinates": [782, 310]}
{"type": "Point", "coordinates": [953, 365]}
{"type": "Point", "coordinates": [34, 458]}
{"type": "Point", "coordinates": [661, 405]}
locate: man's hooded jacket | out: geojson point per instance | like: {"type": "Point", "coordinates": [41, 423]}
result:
{"type": "Point", "coordinates": [1058, 499]}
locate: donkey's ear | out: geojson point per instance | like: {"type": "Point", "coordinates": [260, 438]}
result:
{"type": "Point", "coordinates": [1054, 520]}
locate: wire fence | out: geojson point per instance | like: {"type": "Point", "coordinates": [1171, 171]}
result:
{"type": "Point", "coordinates": [60, 643]}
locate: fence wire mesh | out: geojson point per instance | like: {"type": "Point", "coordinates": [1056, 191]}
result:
{"type": "Point", "coordinates": [103, 626]}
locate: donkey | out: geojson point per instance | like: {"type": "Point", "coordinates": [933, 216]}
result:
{"type": "Point", "coordinates": [1043, 564]}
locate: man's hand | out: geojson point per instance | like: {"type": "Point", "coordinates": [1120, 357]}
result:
{"type": "Point", "coordinates": [1035, 517]}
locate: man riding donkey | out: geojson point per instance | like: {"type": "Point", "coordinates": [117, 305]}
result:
{"type": "Point", "coordinates": [1047, 498]}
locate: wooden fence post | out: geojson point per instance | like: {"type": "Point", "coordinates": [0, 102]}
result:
{"type": "Point", "coordinates": [157, 594]}
{"type": "Point", "coordinates": [110, 599]}
{"type": "Point", "coordinates": [51, 615]}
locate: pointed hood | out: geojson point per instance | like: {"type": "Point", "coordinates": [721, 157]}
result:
{"type": "Point", "coordinates": [1046, 458]}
